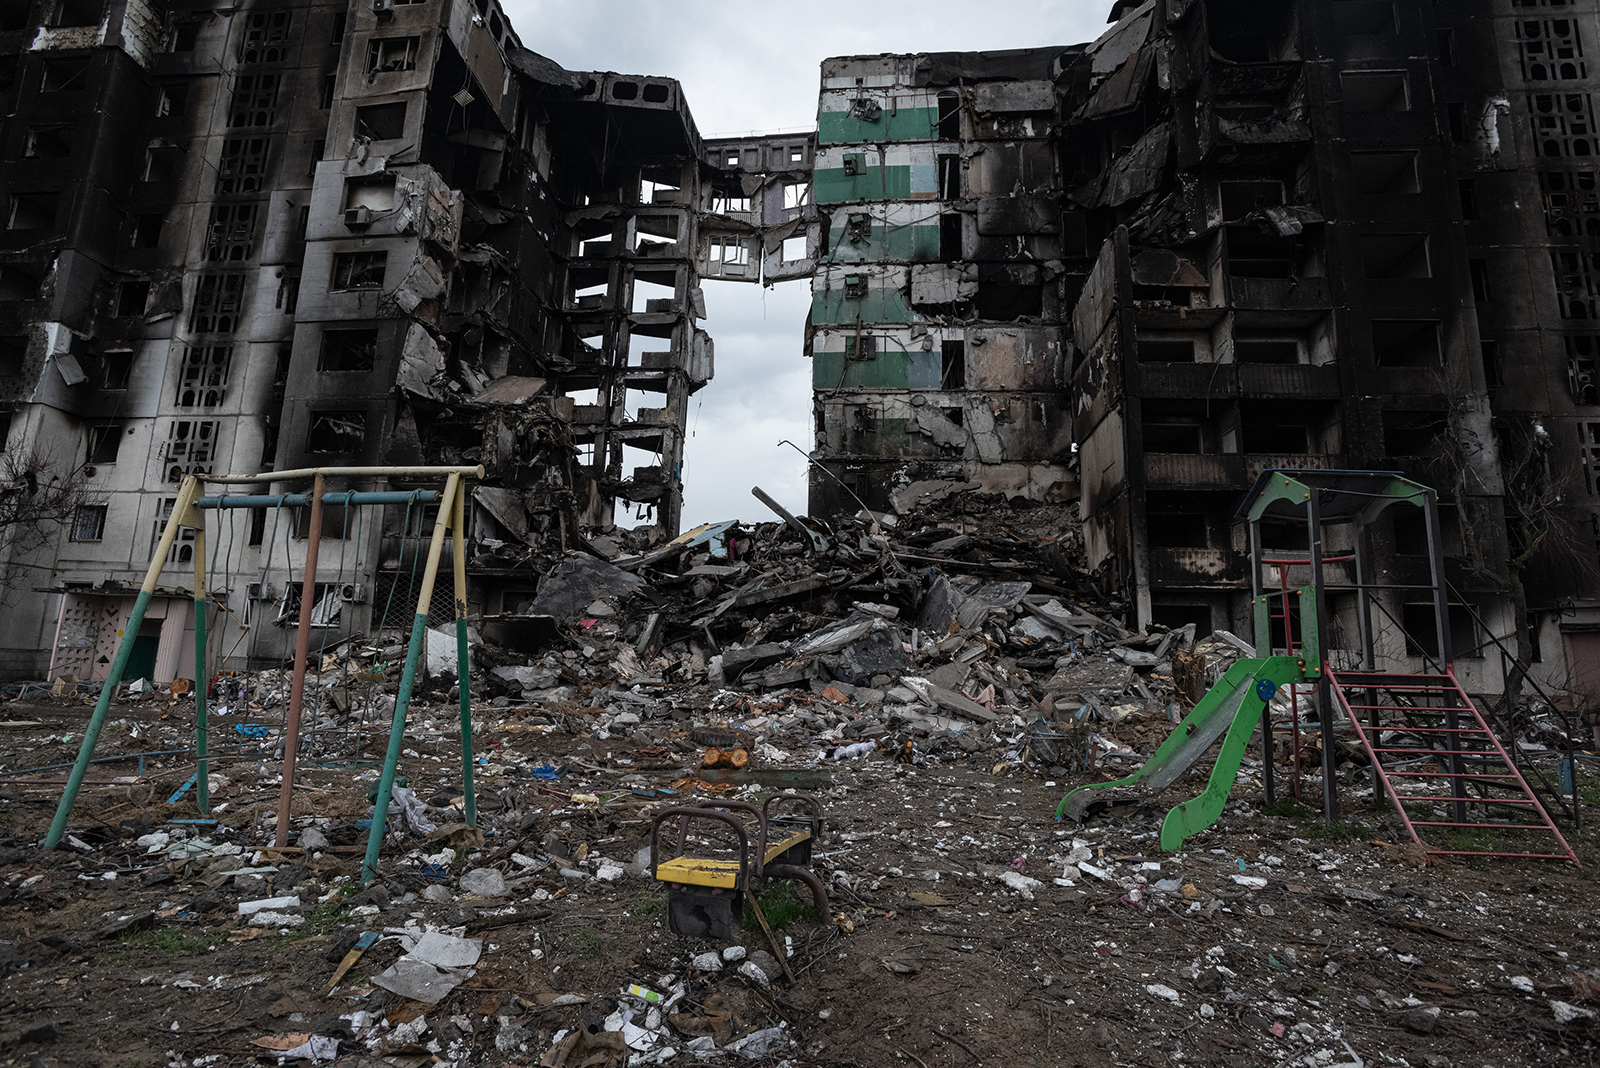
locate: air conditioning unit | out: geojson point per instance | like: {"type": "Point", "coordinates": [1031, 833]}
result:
{"type": "Point", "coordinates": [258, 591]}
{"type": "Point", "coordinates": [353, 593]}
{"type": "Point", "coordinates": [384, 9]}
{"type": "Point", "coordinates": [357, 217]}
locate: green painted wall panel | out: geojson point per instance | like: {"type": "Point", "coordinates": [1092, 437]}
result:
{"type": "Point", "coordinates": [887, 370]}
{"type": "Point", "coordinates": [919, 243]}
{"type": "Point", "coordinates": [830, 185]}
{"type": "Point", "coordinates": [878, 306]}
{"type": "Point", "coordinates": [906, 124]}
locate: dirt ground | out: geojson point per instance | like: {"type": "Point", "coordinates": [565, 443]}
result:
{"type": "Point", "coordinates": [1270, 940]}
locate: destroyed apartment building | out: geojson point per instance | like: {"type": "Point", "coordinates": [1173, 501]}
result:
{"type": "Point", "coordinates": [1223, 238]}
{"type": "Point", "coordinates": [300, 235]}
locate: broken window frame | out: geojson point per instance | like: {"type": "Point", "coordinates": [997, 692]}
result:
{"type": "Point", "coordinates": [391, 55]}
{"type": "Point", "coordinates": [358, 272]}
{"type": "Point", "coordinates": [337, 432]}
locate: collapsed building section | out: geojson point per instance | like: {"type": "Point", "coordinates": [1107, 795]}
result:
{"type": "Point", "coordinates": [940, 287]}
{"type": "Point", "coordinates": [297, 235]}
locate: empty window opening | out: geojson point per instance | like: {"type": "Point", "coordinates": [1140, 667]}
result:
{"type": "Point", "coordinates": [729, 203]}
{"type": "Point", "coordinates": [89, 522]}
{"type": "Point", "coordinates": [1446, 50]}
{"type": "Point", "coordinates": [1469, 198]}
{"type": "Point", "coordinates": [1152, 351]}
{"type": "Point", "coordinates": [105, 441]}
{"type": "Point", "coordinates": [1389, 256]}
{"type": "Point", "coordinates": [797, 154]}
{"type": "Point", "coordinates": [625, 90]}
{"type": "Point", "coordinates": [375, 193]}
{"type": "Point", "coordinates": [64, 75]}
{"type": "Point", "coordinates": [132, 297]}
{"type": "Point", "coordinates": [950, 249]}
{"type": "Point", "coordinates": [116, 369]}
{"type": "Point", "coordinates": [953, 364]}
{"type": "Point", "coordinates": [172, 100]}
{"type": "Point", "coordinates": [949, 116]}
{"type": "Point", "coordinates": [1177, 616]}
{"type": "Point", "coordinates": [1260, 436]}
{"type": "Point", "coordinates": [1003, 300]}
{"type": "Point", "coordinates": [1253, 254]}
{"type": "Point", "coordinates": [654, 296]}
{"type": "Point", "coordinates": [1412, 433]}
{"type": "Point", "coordinates": [1176, 530]}
{"type": "Point", "coordinates": [163, 163]}
{"type": "Point", "coordinates": [661, 185]}
{"type": "Point", "coordinates": [337, 36]}
{"type": "Point", "coordinates": [957, 416]}
{"type": "Point", "coordinates": [794, 248]}
{"type": "Point", "coordinates": [1368, 91]}
{"type": "Point", "coordinates": [76, 13]}
{"type": "Point", "coordinates": [348, 350]}
{"type": "Point", "coordinates": [1249, 349]}
{"type": "Point", "coordinates": [1169, 434]}
{"type": "Point", "coordinates": [1260, 32]}
{"type": "Point", "coordinates": [654, 233]}
{"type": "Point", "coordinates": [146, 231]}
{"type": "Point", "coordinates": [1456, 118]}
{"type": "Point", "coordinates": [1422, 631]}
{"type": "Point", "coordinates": [358, 270]}
{"type": "Point", "coordinates": [343, 431]}
{"type": "Point", "coordinates": [13, 353]}
{"type": "Point", "coordinates": [185, 35]}
{"type": "Point", "coordinates": [949, 177]}
{"type": "Point", "coordinates": [1481, 290]}
{"type": "Point", "coordinates": [32, 211]}
{"type": "Point", "coordinates": [381, 122]}
{"type": "Point", "coordinates": [20, 282]}
{"type": "Point", "coordinates": [389, 54]}
{"type": "Point", "coordinates": [6, 418]}
{"type": "Point", "coordinates": [655, 93]}
{"type": "Point", "coordinates": [1384, 173]}
{"type": "Point", "coordinates": [1240, 199]}
{"type": "Point", "coordinates": [48, 142]}
{"type": "Point", "coordinates": [1405, 342]}
{"type": "Point", "coordinates": [14, 15]}
{"type": "Point", "coordinates": [796, 195]}
{"type": "Point", "coordinates": [1490, 350]}
{"type": "Point", "coordinates": [1285, 535]}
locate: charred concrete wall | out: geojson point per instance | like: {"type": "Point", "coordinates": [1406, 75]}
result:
{"type": "Point", "coordinates": [299, 234]}
{"type": "Point", "coordinates": [943, 274]}
{"type": "Point", "coordinates": [1326, 251]}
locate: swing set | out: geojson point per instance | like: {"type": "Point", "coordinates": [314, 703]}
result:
{"type": "Point", "coordinates": [190, 512]}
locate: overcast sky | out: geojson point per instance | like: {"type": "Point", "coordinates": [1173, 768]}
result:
{"type": "Point", "coordinates": [754, 67]}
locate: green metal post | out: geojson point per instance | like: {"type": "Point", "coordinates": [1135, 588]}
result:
{"type": "Point", "coordinates": [119, 663]}
{"type": "Point", "coordinates": [408, 679]}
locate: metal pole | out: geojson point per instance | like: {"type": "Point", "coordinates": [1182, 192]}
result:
{"type": "Point", "coordinates": [202, 787]}
{"type": "Point", "coordinates": [408, 679]}
{"type": "Point", "coordinates": [119, 663]}
{"type": "Point", "coordinates": [302, 652]}
{"type": "Point", "coordinates": [1441, 625]}
{"type": "Point", "coordinates": [1364, 599]}
{"type": "Point", "coordinates": [463, 675]}
{"type": "Point", "coordinates": [1263, 649]}
{"type": "Point", "coordinates": [1330, 795]}
{"type": "Point", "coordinates": [353, 472]}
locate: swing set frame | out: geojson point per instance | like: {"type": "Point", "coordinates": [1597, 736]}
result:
{"type": "Point", "coordinates": [190, 511]}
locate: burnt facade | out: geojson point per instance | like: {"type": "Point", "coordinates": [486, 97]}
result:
{"type": "Point", "coordinates": [943, 281]}
{"type": "Point", "coordinates": [301, 234]}
{"type": "Point", "coordinates": [1325, 250]}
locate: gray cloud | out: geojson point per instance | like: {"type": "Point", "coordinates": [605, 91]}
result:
{"type": "Point", "coordinates": [755, 67]}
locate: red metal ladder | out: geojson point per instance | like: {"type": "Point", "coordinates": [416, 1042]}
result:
{"type": "Point", "coordinates": [1428, 730]}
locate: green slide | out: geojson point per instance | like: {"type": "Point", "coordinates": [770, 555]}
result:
{"type": "Point", "coordinates": [1231, 710]}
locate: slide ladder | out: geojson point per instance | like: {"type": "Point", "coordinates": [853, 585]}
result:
{"type": "Point", "coordinates": [1434, 754]}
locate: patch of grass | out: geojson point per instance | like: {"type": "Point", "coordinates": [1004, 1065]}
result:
{"type": "Point", "coordinates": [783, 903]}
{"type": "Point", "coordinates": [173, 941]}
{"type": "Point", "coordinates": [646, 904]}
{"type": "Point", "coordinates": [1317, 829]}
{"type": "Point", "coordinates": [586, 941]}
{"type": "Point", "coordinates": [323, 918]}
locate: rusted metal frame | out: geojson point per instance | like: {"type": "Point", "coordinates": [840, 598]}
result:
{"type": "Point", "coordinates": [302, 652]}
{"type": "Point", "coordinates": [463, 674]}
